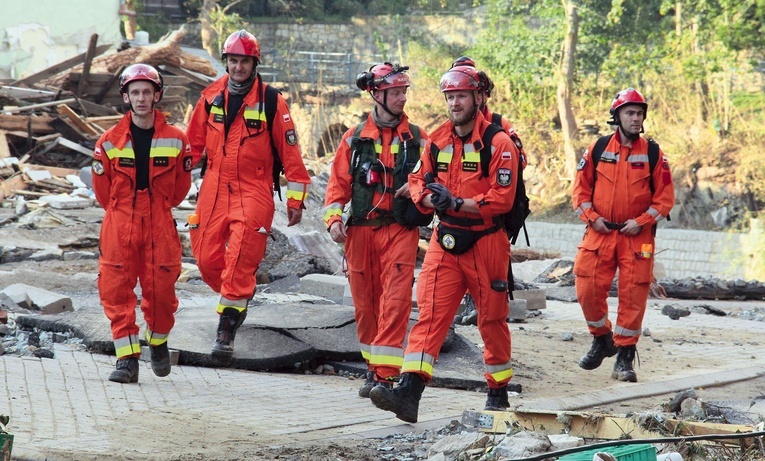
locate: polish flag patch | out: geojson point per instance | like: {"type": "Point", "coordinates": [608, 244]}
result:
{"type": "Point", "coordinates": [286, 118]}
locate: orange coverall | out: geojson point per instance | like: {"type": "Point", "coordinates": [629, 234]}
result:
{"type": "Point", "coordinates": [445, 277]}
{"type": "Point", "coordinates": [381, 258]}
{"type": "Point", "coordinates": [138, 238]}
{"type": "Point", "coordinates": [236, 200]}
{"type": "Point", "coordinates": [622, 192]}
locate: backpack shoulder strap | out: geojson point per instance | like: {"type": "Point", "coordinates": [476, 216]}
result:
{"type": "Point", "coordinates": [270, 102]}
{"type": "Point", "coordinates": [485, 150]}
{"type": "Point", "coordinates": [597, 151]}
{"type": "Point", "coordinates": [653, 160]}
{"type": "Point", "coordinates": [496, 119]}
{"type": "Point", "coordinates": [415, 130]}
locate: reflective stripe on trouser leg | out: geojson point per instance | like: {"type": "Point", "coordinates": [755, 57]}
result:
{"type": "Point", "coordinates": [155, 339]}
{"type": "Point", "coordinates": [224, 303]}
{"type": "Point", "coordinates": [127, 346]}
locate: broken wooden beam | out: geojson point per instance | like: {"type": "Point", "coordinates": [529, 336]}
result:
{"type": "Point", "coordinates": [597, 425]}
{"type": "Point", "coordinates": [38, 106]}
{"type": "Point", "coordinates": [63, 109]}
{"type": "Point", "coordinates": [60, 67]}
{"type": "Point", "coordinates": [89, 55]}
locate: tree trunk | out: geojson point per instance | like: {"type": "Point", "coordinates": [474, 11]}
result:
{"type": "Point", "coordinates": [565, 85]}
{"type": "Point", "coordinates": [208, 33]}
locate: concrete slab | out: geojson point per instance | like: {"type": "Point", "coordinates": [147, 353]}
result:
{"type": "Point", "coordinates": [300, 315]}
{"type": "Point", "coordinates": [30, 297]}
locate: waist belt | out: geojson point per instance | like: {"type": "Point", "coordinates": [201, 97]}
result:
{"type": "Point", "coordinates": [614, 225]}
{"type": "Point", "coordinates": [379, 221]}
{"type": "Point", "coordinates": [464, 222]}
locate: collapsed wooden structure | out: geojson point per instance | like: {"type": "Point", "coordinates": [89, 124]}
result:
{"type": "Point", "coordinates": [52, 119]}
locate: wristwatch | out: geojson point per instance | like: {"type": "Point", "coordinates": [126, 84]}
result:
{"type": "Point", "coordinates": [458, 203]}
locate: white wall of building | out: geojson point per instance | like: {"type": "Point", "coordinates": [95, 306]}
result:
{"type": "Point", "coordinates": [36, 34]}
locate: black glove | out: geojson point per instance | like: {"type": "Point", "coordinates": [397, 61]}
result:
{"type": "Point", "coordinates": [441, 198]}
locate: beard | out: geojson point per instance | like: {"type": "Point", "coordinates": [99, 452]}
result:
{"type": "Point", "coordinates": [462, 119]}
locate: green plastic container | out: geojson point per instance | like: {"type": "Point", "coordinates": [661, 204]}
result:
{"type": "Point", "coordinates": [6, 445]}
{"type": "Point", "coordinates": [642, 452]}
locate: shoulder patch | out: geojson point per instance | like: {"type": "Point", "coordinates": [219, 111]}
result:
{"type": "Point", "coordinates": [187, 164]}
{"type": "Point", "coordinates": [98, 167]}
{"type": "Point", "coordinates": [582, 163]}
{"type": "Point", "coordinates": [504, 177]}
{"type": "Point", "coordinates": [291, 137]}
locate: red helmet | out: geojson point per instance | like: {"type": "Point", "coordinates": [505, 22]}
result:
{"type": "Point", "coordinates": [462, 78]}
{"type": "Point", "coordinates": [463, 61]}
{"type": "Point", "coordinates": [242, 43]}
{"type": "Point", "coordinates": [137, 72]}
{"type": "Point", "coordinates": [383, 76]}
{"type": "Point", "coordinates": [625, 97]}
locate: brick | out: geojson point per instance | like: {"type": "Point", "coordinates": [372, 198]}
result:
{"type": "Point", "coordinates": [535, 298]}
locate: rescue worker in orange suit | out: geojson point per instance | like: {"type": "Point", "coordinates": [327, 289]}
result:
{"type": "Point", "coordinates": [235, 206]}
{"type": "Point", "coordinates": [141, 169]}
{"type": "Point", "coordinates": [469, 251]}
{"type": "Point", "coordinates": [370, 170]}
{"type": "Point", "coordinates": [620, 200]}
{"type": "Point", "coordinates": [488, 85]}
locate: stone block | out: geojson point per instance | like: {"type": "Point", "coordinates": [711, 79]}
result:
{"type": "Point", "coordinates": [328, 286]}
{"type": "Point", "coordinates": [517, 310]}
{"type": "Point", "coordinates": [30, 297]}
{"type": "Point", "coordinates": [535, 298]}
{"type": "Point", "coordinates": [66, 202]}
{"type": "Point", "coordinates": [146, 355]}
{"type": "Point", "coordinates": [563, 441]}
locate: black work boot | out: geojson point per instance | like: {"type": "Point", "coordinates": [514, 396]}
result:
{"type": "Point", "coordinates": [496, 399]}
{"type": "Point", "coordinates": [230, 320]}
{"type": "Point", "coordinates": [160, 359]}
{"type": "Point", "coordinates": [403, 400]}
{"type": "Point", "coordinates": [623, 370]}
{"type": "Point", "coordinates": [602, 347]}
{"type": "Point", "coordinates": [126, 372]}
{"type": "Point", "coordinates": [368, 385]}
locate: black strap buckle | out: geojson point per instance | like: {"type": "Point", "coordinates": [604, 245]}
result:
{"type": "Point", "coordinates": [614, 225]}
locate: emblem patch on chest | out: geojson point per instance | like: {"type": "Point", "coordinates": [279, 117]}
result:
{"type": "Point", "coordinates": [218, 118]}
{"type": "Point", "coordinates": [161, 161]}
{"type": "Point", "coordinates": [442, 166]}
{"type": "Point", "coordinates": [252, 123]}
{"type": "Point", "coordinates": [127, 162]}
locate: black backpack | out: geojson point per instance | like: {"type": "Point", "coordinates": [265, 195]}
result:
{"type": "Point", "coordinates": [515, 219]}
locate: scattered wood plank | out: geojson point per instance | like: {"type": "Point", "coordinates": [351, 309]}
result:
{"type": "Point", "coordinates": [24, 93]}
{"type": "Point", "coordinates": [9, 186]}
{"type": "Point", "coordinates": [40, 124]}
{"type": "Point", "coordinates": [5, 151]}
{"type": "Point", "coordinates": [599, 426]}
{"type": "Point", "coordinates": [199, 79]}
{"type": "Point", "coordinates": [60, 67]}
{"type": "Point", "coordinates": [63, 109]}
{"type": "Point", "coordinates": [92, 108]}
{"type": "Point", "coordinates": [68, 130]}
{"type": "Point", "coordinates": [74, 146]}
{"type": "Point", "coordinates": [53, 170]}
{"type": "Point", "coordinates": [38, 106]}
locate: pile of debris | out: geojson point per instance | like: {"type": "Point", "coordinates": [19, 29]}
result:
{"type": "Point", "coordinates": [52, 119]}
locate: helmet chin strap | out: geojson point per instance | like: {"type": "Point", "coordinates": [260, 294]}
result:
{"type": "Point", "coordinates": [384, 104]}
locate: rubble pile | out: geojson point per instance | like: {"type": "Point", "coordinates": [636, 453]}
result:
{"type": "Point", "coordinates": [50, 121]}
